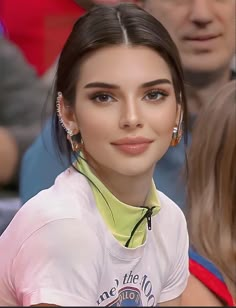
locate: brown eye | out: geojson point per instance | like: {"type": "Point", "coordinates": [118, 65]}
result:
{"type": "Point", "coordinates": [102, 98]}
{"type": "Point", "coordinates": [155, 95]}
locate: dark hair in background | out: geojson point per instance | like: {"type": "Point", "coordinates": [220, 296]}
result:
{"type": "Point", "coordinates": [106, 26]}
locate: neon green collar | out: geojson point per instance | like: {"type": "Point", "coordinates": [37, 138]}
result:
{"type": "Point", "coordinates": [120, 217]}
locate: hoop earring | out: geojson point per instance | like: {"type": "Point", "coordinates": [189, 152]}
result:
{"type": "Point", "coordinates": [177, 133]}
{"type": "Point", "coordinates": [176, 137]}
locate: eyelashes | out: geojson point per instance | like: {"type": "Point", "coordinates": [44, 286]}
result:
{"type": "Point", "coordinates": [102, 97]}
{"type": "Point", "coordinates": [154, 95]}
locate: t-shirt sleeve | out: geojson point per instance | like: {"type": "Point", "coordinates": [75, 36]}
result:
{"type": "Point", "coordinates": [57, 265]}
{"type": "Point", "coordinates": [179, 271]}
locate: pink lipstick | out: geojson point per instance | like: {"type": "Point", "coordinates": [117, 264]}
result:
{"type": "Point", "coordinates": [132, 145]}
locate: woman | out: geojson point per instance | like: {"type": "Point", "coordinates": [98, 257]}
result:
{"type": "Point", "coordinates": [211, 202]}
{"type": "Point", "coordinates": [102, 234]}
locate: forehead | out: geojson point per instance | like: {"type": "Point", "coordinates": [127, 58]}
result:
{"type": "Point", "coordinates": [124, 63]}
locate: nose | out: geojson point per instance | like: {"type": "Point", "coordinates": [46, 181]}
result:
{"type": "Point", "coordinates": [201, 13]}
{"type": "Point", "coordinates": [130, 117]}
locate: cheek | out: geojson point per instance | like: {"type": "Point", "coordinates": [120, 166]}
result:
{"type": "Point", "coordinates": [231, 28]}
{"type": "Point", "coordinates": [163, 122]}
{"type": "Point", "coordinates": [95, 128]}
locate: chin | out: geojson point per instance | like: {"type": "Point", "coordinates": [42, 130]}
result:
{"type": "Point", "coordinates": [205, 64]}
{"type": "Point", "coordinates": [135, 169]}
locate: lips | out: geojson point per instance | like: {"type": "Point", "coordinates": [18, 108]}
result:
{"type": "Point", "coordinates": [201, 38]}
{"type": "Point", "coordinates": [132, 140]}
{"type": "Point", "coordinates": [132, 145]}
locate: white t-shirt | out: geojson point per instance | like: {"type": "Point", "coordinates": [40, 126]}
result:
{"type": "Point", "coordinates": [58, 250]}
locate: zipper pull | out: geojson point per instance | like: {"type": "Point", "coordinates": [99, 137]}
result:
{"type": "Point", "coordinates": [149, 221]}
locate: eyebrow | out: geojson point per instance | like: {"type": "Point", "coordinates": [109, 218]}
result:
{"type": "Point", "coordinates": [101, 85]}
{"type": "Point", "coordinates": [155, 83]}
{"type": "Point", "coordinates": [113, 86]}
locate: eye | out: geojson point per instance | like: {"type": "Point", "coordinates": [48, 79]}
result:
{"type": "Point", "coordinates": [102, 98]}
{"type": "Point", "coordinates": [155, 95]}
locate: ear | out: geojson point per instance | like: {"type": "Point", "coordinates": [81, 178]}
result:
{"type": "Point", "coordinates": [67, 115]}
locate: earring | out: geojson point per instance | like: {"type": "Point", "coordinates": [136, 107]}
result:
{"type": "Point", "coordinates": [58, 108]}
{"type": "Point", "coordinates": [176, 136]}
{"type": "Point", "coordinates": [75, 145]}
{"type": "Point", "coordinates": [177, 131]}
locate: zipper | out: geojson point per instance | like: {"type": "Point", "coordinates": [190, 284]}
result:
{"type": "Point", "coordinates": [149, 220]}
{"type": "Point", "coordinates": [147, 215]}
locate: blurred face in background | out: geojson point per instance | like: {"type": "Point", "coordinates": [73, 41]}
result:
{"type": "Point", "coordinates": [204, 30]}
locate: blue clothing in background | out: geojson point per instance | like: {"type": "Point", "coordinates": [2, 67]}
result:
{"type": "Point", "coordinates": [169, 173]}
{"type": "Point", "coordinates": [40, 164]}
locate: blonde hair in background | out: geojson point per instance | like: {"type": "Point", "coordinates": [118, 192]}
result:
{"type": "Point", "coordinates": [211, 184]}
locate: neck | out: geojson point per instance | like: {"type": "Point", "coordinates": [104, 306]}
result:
{"type": "Point", "coordinates": [132, 190]}
{"type": "Point", "coordinates": [201, 88]}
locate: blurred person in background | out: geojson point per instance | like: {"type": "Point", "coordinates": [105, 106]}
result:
{"type": "Point", "coordinates": [211, 207]}
{"type": "Point", "coordinates": [22, 95]}
{"type": "Point", "coordinates": [204, 31]}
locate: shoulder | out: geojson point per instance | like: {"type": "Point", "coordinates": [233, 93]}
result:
{"type": "Point", "coordinates": [10, 51]}
{"type": "Point", "coordinates": [69, 187]}
{"type": "Point", "coordinates": [206, 275]}
{"type": "Point", "coordinates": [197, 259]}
{"type": "Point", "coordinates": [170, 231]}
{"type": "Point", "coordinates": [169, 209]}
{"type": "Point", "coordinates": [69, 198]}
{"type": "Point", "coordinates": [6, 46]}
{"type": "Point", "coordinates": [170, 225]}
{"type": "Point", "coordinates": [197, 294]}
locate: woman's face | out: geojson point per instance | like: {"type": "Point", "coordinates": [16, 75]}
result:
{"type": "Point", "coordinates": [125, 109]}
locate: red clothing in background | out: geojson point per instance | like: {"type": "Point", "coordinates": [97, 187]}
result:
{"type": "Point", "coordinates": [39, 27]}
